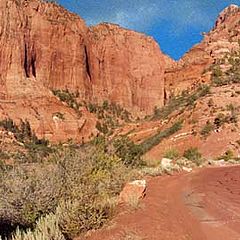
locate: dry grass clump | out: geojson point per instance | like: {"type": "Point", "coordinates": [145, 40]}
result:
{"type": "Point", "coordinates": [28, 192]}
{"type": "Point", "coordinates": [76, 187]}
{"type": "Point", "coordinates": [46, 228]}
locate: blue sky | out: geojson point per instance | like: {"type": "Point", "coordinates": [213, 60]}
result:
{"type": "Point", "coordinates": [175, 24]}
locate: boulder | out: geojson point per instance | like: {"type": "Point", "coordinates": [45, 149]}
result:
{"type": "Point", "coordinates": [166, 163]}
{"type": "Point", "coordinates": [219, 163]}
{"type": "Point", "coordinates": [133, 190]}
{"type": "Point", "coordinates": [186, 169]}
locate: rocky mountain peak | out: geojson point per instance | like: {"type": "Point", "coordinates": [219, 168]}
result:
{"type": "Point", "coordinates": [228, 11]}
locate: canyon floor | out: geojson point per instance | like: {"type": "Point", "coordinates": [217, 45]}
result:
{"type": "Point", "coordinates": [204, 204]}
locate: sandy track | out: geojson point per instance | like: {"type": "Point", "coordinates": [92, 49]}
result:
{"type": "Point", "coordinates": [196, 206]}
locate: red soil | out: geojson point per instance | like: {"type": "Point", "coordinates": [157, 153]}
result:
{"type": "Point", "coordinates": [200, 205]}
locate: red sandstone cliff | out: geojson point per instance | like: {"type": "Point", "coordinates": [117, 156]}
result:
{"type": "Point", "coordinates": [126, 67]}
{"type": "Point", "coordinates": [44, 47]}
{"type": "Point", "coordinates": [41, 47]}
{"type": "Point", "coordinates": [192, 68]}
{"type": "Point", "coordinates": [46, 43]}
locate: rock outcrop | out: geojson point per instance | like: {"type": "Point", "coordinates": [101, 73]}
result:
{"type": "Point", "coordinates": [192, 68]}
{"type": "Point", "coordinates": [44, 47]}
{"type": "Point", "coordinates": [126, 67]}
{"type": "Point", "coordinates": [43, 41]}
{"type": "Point", "coordinates": [41, 47]}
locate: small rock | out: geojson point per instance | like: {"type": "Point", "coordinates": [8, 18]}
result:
{"type": "Point", "coordinates": [166, 163]}
{"type": "Point", "coordinates": [186, 169]}
{"type": "Point", "coordinates": [219, 163]}
{"type": "Point", "coordinates": [136, 189]}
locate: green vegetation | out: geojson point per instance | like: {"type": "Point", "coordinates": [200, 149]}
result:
{"type": "Point", "coordinates": [181, 102]}
{"type": "Point", "coordinates": [109, 116]}
{"type": "Point", "coordinates": [70, 188]}
{"type": "Point", "coordinates": [207, 129]}
{"type": "Point", "coordinates": [228, 155]}
{"type": "Point", "coordinates": [4, 155]}
{"type": "Point", "coordinates": [23, 133]}
{"type": "Point", "coordinates": [129, 152]}
{"type": "Point", "coordinates": [232, 75]}
{"type": "Point", "coordinates": [172, 153]}
{"type": "Point", "coordinates": [221, 118]}
{"type": "Point", "coordinates": [107, 110]}
{"type": "Point", "coordinates": [102, 127]}
{"type": "Point", "coordinates": [193, 155]}
{"type": "Point", "coordinates": [69, 98]}
{"type": "Point", "coordinates": [37, 148]}
{"type": "Point", "coordinates": [157, 138]}
{"type": "Point", "coordinates": [76, 186]}
{"type": "Point", "coordinates": [46, 228]}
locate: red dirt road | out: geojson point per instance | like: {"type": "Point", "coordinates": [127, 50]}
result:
{"type": "Point", "coordinates": [204, 205]}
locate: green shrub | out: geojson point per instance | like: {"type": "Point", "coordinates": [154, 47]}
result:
{"type": "Point", "coordinates": [92, 108]}
{"type": "Point", "coordinates": [222, 118]}
{"type": "Point", "coordinates": [90, 177]}
{"type": "Point", "coordinates": [217, 72]}
{"type": "Point", "coordinates": [232, 75]}
{"type": "Point", "coordinates": [38, 149]}
{"type": "Point", "coordinates": [128, 152]}
{"type": "Point", "coordinates": [193, 155]}
{"type": "Point", "coordinates": [105, 105]}
{"type": "Point", "coordinates": [76, 217]}
{"type": "Point", "coordinates": [219, 120]}
{"type": "Point", "coordinates": [78, 182]}
{"type": "Point", "coordinates": [228, 155]}
{"type": "Point", "coordinates": [207, 129]}
{"type": "Point", "coordinates": [69, 98]}
{"type": "Point", "coordinates": [4, 155]}
{"type": "Point", "coordinates": [153, 141]}
{"type": "Point", "coordinates": [182, 101]}
{"type": "Point", "coordinates": [203, 90]}
{"type": "Point", "coordinates": [103, 128]}
{"type": "Point", "coordinates": [171, 153]}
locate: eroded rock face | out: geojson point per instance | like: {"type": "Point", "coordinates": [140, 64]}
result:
{"type": "Point", "coordinates": [45, 42]}
{"type": "Point", "coordinates": [44, 47]}
{"type": "Point", "coordinates": [126, 67]}
{"type": "Point", "coordinates": [42, 41]}
{"type": "Point", "coordinates": [191, 69]}
{"type": "Point", "coordinates": [41, 47]}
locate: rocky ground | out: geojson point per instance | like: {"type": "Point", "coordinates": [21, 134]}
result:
{"type": "Point", "coordinates": [201, 205]}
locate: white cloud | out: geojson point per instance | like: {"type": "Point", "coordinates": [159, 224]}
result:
{"type": "Point", "coordinates": [141, 15]}
{"type": "Point", "coordinates": [136, 16]}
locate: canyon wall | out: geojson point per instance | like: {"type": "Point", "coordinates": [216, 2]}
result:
{"type": "Point", "coordinates": [43, 42]}
{"type": "Point", "coordinates": [44, 47]}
